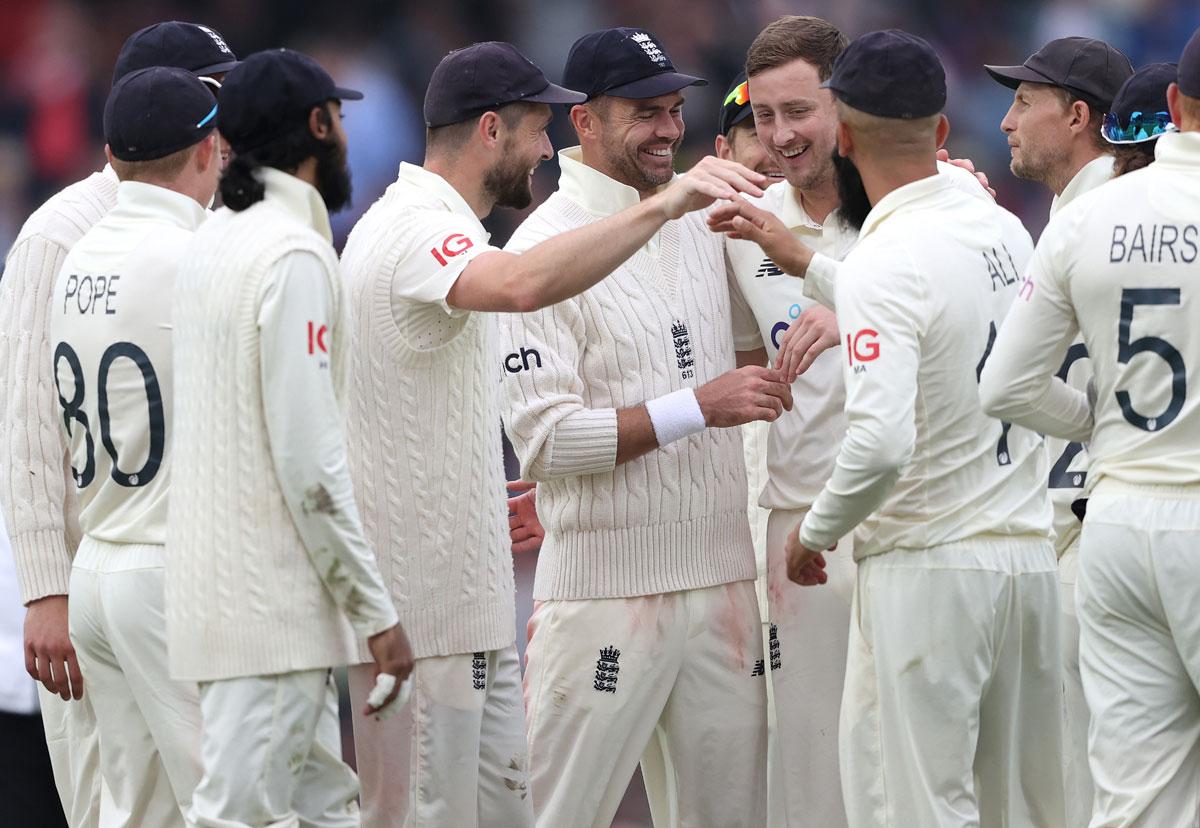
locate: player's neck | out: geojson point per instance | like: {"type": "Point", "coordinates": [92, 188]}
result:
{"type": "Point", "coordinates": [1078, 159]}
{"type": "Point", "coordinates": [466, 180]}
{"type": "Point", "coordinates": [818, 202]}
{"type": "Point", "coordinates": [884, 175]}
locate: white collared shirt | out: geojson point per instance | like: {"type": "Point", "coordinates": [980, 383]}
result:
{"type": "Point", "coordinates": [1118, 266]}
{"type": "Point", "coordinates": [110, 336]}
{"type": "Point", "coordinates": [918, 303]}
{"type": "Point", "coordinates": [596, 192]}
{"type": "Point", "coordinates": [1090, 176]}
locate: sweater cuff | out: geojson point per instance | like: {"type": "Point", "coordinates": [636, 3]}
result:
{"type": "Point", "coordinates": [43, 564]}
{"type": "Point", "coordinates": [820, 280]}
{"type": "Point", "coordinates": [368, 623]}
{"type": "Point", "coordinates": [584, 443]}
{"type": "Point", "coordinates": [812, 538]}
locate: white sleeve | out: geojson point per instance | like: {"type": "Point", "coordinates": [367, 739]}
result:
{"type": "Point", "coordinates": [432, 257]}
{"type": "Point", "coordinates": [820, 280]}
{"type": "Point", "coordinates": [885, 319]}
{"type": "Point", "coordinates": [304, 428]}
{"type": "Point", "coordinates": [746, 334]}
{"type": "Point", "coordinates": [1018, 383]}
{"type": "Point", "coordinates": [553, 433]}
{"type": "Point", "coordinates": [41, 509]}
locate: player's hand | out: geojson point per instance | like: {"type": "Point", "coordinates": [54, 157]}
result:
{"type": "Point", "coordinates": [524, 528]}
{"type": "Point", "coordinates": [968, 165]}
{"type": "Point", "coordinates": [739, 219]}
{"type": "Point", "coordinates": [49, 655]}
{"type": "Point", "coordinates": [712, 179]}
{"type": "Point", "coordinates": [393, 655]}
{"type": "Point", "coordinates": [809, 336]}
{"type": "Point", "coordinates": [744, 395]}
{"type": "Point", "coordinates": [805, 566]}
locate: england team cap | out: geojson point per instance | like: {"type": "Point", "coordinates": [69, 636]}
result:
{"type": "Point", "coordinates": [890, 74]}
{"type": "Point", "coordinates": [1189, 67]}
{"type": "Point", "coordinates": [483, 77]}
{"type": "Point", "coordinates": [735, 107]}
{"type": "Point", "coordinates": [624, 63]}
{"type": "Point", "coordinates": [199, 49]}
{"type": "Point", "coordinates": [153, 112]}
{"type": "Point", "coordinates": [271, 93]}
{"type": "Point", "coordinates": [1082, 65]}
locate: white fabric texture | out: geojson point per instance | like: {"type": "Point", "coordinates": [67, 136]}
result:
{"type": "Point", "coordinates": [272, 755]}
{"type": "Point", "coordinates": [1138, 650]}
{"type": "Point", "coordinates": [674, 681]}
{"type": "Point", "coordinates": [148, 724]}
{"type": "Point", "coordinates": [74, 746]}
{"type": "Point", "coordinates": [1077, 774]}
{"type": "Point", "coordinates": [243, 597]}
{"type": "Point", "coordinates": [952, 710]}
{"type": "Point", "coordinates": [423, 424]}
{"type": "Point", "coordinates": [42, 513]}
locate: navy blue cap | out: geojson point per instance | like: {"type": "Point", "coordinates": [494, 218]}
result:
{"type": "Point", "coordinates": [270, 93]}
{"type": "Point", "coordinates": [156, 111]}
{"type": "Point", "coordinates": [890, 74]}
{"type": "Point", "coordinates": [483, 77]}
{"type": "Point", "coordinates": [735, 107]}
{"type": "Point", "coordinates": [624, 63]}
{"type": "Point", "coordinates": [1189, 67]}
{"type": "Point", "coordinates": [190, 46]}
{"type": "Point", "coordinates": [1139, 112]}
{"type": "Point", "coordinates": [1090, 68]}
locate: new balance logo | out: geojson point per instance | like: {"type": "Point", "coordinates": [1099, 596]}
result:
{"type": "Point", "coordinates": [607, 669]}
{"type": "Point", "coordinates": [759, 669]}
{"type": "Point", "coordinates": [767, 268]}
{"type": "Point", "coordinates": [683, 350]}
{"type": "Point", "coordinates": [479, 670]}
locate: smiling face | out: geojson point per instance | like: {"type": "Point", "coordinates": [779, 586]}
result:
{"type": "Point", "coordinates": [796, 122]}
{"type": "Point", "coordinates": [742, 145]}
{"type": "Point", "coordinates": [636, 140]}
{"type": "Point", "coordinates": [525, 144]}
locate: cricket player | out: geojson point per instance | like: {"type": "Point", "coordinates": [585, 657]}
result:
{"type": "Point", "coordinates": [950, 715]}
{"type": "Point", "coordinates": [35, 482]}
{"type": "Point", "coordinates": [422, 280]}
{"type": "Point", "coordinates": [1118, 266]}
{"type": "Point", "coordinates": [1139, 115]}
{"type": "Point", "coordinates": [1061, 94]}
{"type": "Point", "coordinates": [269, 579]}
{"type": "Point", "coordinates": [110, 331]}
{"type": "Point", "coordinates": [645, 642]}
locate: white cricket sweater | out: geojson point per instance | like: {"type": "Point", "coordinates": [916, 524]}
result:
{"type": "Point", "coordinates": [424, 420]}
{"type": "Point", "coordinates": [266, 564]}
{"type": "Point", "coordinates": [41, 509]}
{"type": "Point", "coordinates": [672, 519]}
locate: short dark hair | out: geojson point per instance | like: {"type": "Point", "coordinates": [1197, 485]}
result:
{"type": "Point", "coordinates": [1130, 157]}
{"type": "Point", "coordinates": [239, 186]}
{"type": "Point", "coordinates": [455, 136]}
{"type": "Point", "coordinates": [795, 37]}
{"type": "Point", "coordinates": [157, 169]}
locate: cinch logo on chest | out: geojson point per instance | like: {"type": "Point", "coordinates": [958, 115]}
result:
{"type": "Point", "coordinates": [453, 245]}
{"type": "Point", "coordinates": [524, 360]}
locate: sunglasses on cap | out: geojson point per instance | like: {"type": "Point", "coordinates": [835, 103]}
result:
{"type": "Point", "coordinates": [1142, 126]}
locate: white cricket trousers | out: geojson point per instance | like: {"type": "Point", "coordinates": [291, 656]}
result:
{"type": "Point", "coordinates": [74, 749]}
{"type": "Point", "coordinates": [148, 724]}
{"type": "Point", "coordinates": [810, 628]}
{"type": "Point", "coordinates": [272, 755]}
{"type": "Point", "coordinates": [1077, 776]}
{"type": "Point", "coordinates": [675, 681]}
{"type": "Point", "coordinates": [952, 713]}
{"type": "Point", "coordinates": [1139, 649]}
{"type": "Point", "coordinates": [455, 756]}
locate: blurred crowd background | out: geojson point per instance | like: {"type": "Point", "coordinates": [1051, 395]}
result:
{"type": "Point", "coordinates": [56, 60]}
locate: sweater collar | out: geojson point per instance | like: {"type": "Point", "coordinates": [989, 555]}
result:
{"type": "Point", "coordinates": [902, 199]}
{"type": "Point", "coordinates": [1179, 149]}
{"type": "Point", "coordinates": [441, 189]}
{"type": "Point", "coordinates": [1090, 176]}
{"type": "Point", "coordinates": [136, 199]}
{"type": "Point", "coordinates": [299, 198]}
{"type": "Point", "coordinates": [590, 188]}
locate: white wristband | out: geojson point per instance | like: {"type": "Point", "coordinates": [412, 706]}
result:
{"type": "Point", "coordinates": [675, 416]}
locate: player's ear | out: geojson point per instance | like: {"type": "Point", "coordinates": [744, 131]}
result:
{"type": "Point", "coordinates": [488, 128]}
{"type": "Point", "coordinates": [943, 130]}
{"type": "Point", "coordinates": [320, 123]}
{"type": "Point", "coordinates": [724, 150]}
{"type": "Point", "coordinates": [108, 154]}
{"type": "Point", "coordinates": [845, 143]}
{"type": "Point", "coordinates": [1173, 106]}
{"type": "Point", "coordinates": [584, 120]}
{"type": "Point", "coordinates": [207, 152]}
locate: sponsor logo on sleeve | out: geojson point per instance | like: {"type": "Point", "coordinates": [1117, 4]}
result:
{"type": "Point", "coordinates": [453, 245]}
{"type": "Point", "coordinates": [316, 338]}
{"type": "Point", "coordinates": [862, 346]}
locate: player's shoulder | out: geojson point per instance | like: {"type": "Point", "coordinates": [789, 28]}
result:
{"type": "Point", "coordinates": [65, 216]}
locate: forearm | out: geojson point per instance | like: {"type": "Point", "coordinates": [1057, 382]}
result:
{"type": "Point", "coordinates": [33, 476]}
{"type": "Point", "coordinates": [758, 356]}
{"type": "Point", "coordinates": [857, 487]}
{"type": "Point", "coordinates": [1044, 404]}
{"type": "Point", "coordinates": [635, 434]}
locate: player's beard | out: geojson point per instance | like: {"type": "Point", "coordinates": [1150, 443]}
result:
{"type": "Point", "coordinates": [509, 184]}
{"type": "Point", "coordinates": [333, 176]}
{"type": "Point", "coordinates": [855, 205]}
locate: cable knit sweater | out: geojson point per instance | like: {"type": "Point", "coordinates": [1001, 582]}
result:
{"type": "Point", "coordinates": [41, 510]}
{"type": "Point", "coordinates": [672, 519]}
{"type": "Point", "coordinates": [424, 422]}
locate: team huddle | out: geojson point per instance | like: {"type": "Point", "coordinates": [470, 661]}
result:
{"type": "Point", "coordinates": [854, 507]}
